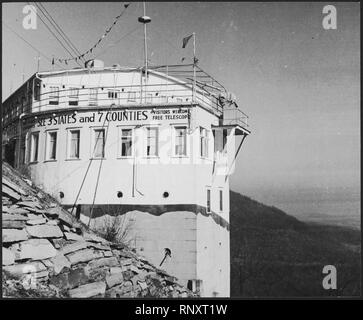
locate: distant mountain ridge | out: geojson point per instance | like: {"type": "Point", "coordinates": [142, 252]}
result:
{"type": "Point", "coordinates": [275, 254]}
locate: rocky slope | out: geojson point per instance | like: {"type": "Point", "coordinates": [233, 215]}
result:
{"type": "Point", "coordinates": [47, 253]}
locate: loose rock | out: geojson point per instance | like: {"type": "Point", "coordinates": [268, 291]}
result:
{"type": "Point", "coordinates": [14, 235]}
{"type": "Point", "coordinates": [44, 231]}
{"type": "Point", "coordinates": [88, 290]}
{"type": "Point", "coordinates": [37, 249]}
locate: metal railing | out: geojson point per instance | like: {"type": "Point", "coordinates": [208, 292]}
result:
{"type": "Point", "coordinates": [129, 95]}
{"type": "Point", "coordinates": [233, 116]}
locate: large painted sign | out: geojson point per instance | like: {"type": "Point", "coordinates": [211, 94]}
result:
{"type": "Point", "coordinates": [100, 117]}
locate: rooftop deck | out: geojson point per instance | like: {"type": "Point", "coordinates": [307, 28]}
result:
{"type": "Point", "coordinates": [177, 89]}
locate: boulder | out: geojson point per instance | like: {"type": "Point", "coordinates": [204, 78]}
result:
{"type": "Point", "coordinates": [134, 269]}
{"type": "Point", "coordinates": [65, 218]}
{"type": "Point", "coordinates": [94, 238]}
{"type": "Point", "coordinates": [19, 210]}
{"type": "Point", "coordinates": [18, 270]}
{"type": "Point", "coordinates": [13, 186]}
{"type": "Point", "coordinates": [143, 285]}
{"type": "Point", "coordinates": [13, 224]}
{"type": "Point", "coordinates": [5, 209]}
{"type": "Point", "coordinates": [74, 247]}
{"type": "Point", "coordinates": [97, 246]}
{"type": "Point", "coordinates": [17, 217]}
{"type": "Point", "coordinates": [107, 253]}
{"type": "Point", "coordinates": [48, 263]}
{"type": "Point", "coordinates": [77, 277]}
{"type": "Point", "coordinates": [36, 211]}
{"type": "Point", "coordinates": [37, 249]}
{"type": "Point", "coordinates": [103, 262]}
{"type": "Point", "coordinates": [14, 235]}
{"type": "Point", "coordinates": [84, 255]}
{"type": "Point", "coordinates": [10, 193]}
{"type": "Point", "coordinates": [114, 270]}
{"type": "Point", "coordinates": [33, 222]}
{"type": "Point", "coordinates": [88, 290]}
{"type": "Point", "coordinates": [60, 262]}
{"type": "Point", "coordinates": [52, 222]}
{"type": "Point", "coordinates": [29, 204]}
{"type": "Point", "coordinates": [8, 257]}
{"type": "Point", "coordinates": [32, 216]}
{"type": "Point", "coordinates": [126, 262]}
{"type": "Point", "coordinates": [44, 231]}
{"type": "Point", "coordinates": [73, 236]}
{"type": "Point", "coordinates": [114, 280]}
{"type": "Point", "coordinates": [53, 212]}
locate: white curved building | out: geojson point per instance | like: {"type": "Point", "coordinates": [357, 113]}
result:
{"type": "Point", "coordinates": [156, 150]}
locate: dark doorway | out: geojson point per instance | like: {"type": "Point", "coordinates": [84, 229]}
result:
{"type": "Point", "coordinates": [10, 152]}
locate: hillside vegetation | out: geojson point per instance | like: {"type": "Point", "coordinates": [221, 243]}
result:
{"type": "Point", "coordinates": [274, 254]}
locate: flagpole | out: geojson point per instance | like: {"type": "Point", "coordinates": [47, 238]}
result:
{"type": "Point", "coordinates": [194, 80]}
{"type": "Point", "coordinates": [145, 45]}
{"type": "Point", "coordinates": [38, 60]}
{"type": "Point", "coordinates": [145, 19]}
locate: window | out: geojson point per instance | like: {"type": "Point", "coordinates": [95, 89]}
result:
{"type": "Point", "coordinates": [73, 96]}
{"type": "Point", "coordinates": [99, 148]}
{"type": "Point", "coordinates": [34, 146]}
{"type": "Point", "coordinates": [93, 92]}
{"type": "Point", "coordinates": [113, 94]}
{"type": "Point", "coordinates": [74, 139]}
{"type": "Point", "coordinates": [220, 200]}
{"type": "Point", "coordinates": [51, 145]}
{"type": "Point", "coordinates": [220, 140]}
{"type": "Point", "coordinates": [225, 134]}
{"type": "Point", "coordinates": [22, 149]}
{"type": "Point", "coordinates": [23, 104]}
{"type": "Point", "coordinates": [54, 95]}
{"type": "Point", "coordinates": [132, 96]}
{"type": "Point", "coordinates": [126, 142]}
{"type": "Point", "coordinates": [152, 142]}
{"type": "Point", "coordinates": [149, 98]}
{"type": "Point", "coordinates": [36, 90]}
{"type": "Point", "coordinates": [208, 201]}
{"type": "Point", "coordinates": [203, 142]}
{"type": "Point", "coordinates": [180, 141]}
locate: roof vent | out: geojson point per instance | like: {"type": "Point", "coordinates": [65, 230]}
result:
{"type": "Point", "coordinates": [94, 63]}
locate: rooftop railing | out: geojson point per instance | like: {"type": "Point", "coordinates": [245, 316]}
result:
{"type": "Point", "coordinates": [131, 96]}
{"type": "Point", "coordinates": [234, 117]}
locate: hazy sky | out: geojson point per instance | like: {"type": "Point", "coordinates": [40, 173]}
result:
{"type": "Point", "coordinates": [299, 83]}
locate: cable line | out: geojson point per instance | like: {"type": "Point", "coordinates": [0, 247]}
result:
{"type": "Point", "coordinates": [58, 28]}
{"type": "Point", "coordinates": [55, 36]}
{"type": "Point", "coordinates": [28, 43]}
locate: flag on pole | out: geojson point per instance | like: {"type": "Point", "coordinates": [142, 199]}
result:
{"type": "Point", "coordinates": [185, 40]}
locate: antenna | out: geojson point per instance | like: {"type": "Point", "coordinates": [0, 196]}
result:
{"type": "Point", "coordinates": [194, 63]}
{"type": "Point", "coordinates": [38, 60]}
{"type": "Point", "coordinates": [145, 19]}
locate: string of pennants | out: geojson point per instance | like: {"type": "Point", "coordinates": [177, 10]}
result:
{"type": "Point", "coordinates": [126, 5]}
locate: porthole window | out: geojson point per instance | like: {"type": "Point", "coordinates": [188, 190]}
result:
{"type": "Point", "coordinates": [119, 194]}
{"type": "Point", "coordinates": [166, 194]}
{"type": "Point", "coordinates": [61, 194]}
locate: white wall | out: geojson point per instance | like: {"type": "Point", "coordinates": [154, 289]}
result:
{"type": "Point", "coordinates": [200, 246]}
